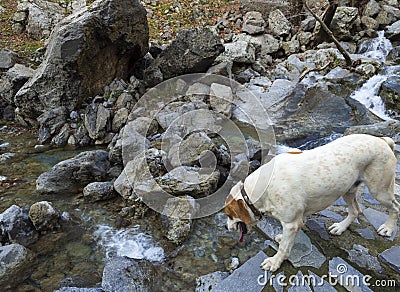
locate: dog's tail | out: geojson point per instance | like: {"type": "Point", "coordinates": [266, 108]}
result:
{"type": "Point", "coordinates": [389, 141]}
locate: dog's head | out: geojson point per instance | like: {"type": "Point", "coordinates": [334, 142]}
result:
{"type": "Point", "coordinates": [239, 217]}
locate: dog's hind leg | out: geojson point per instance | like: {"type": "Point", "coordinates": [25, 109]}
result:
{"type": "Point", "coordinates": [386, 198]}
{"type": "Point", "coordinates": [289, 233]}
{"type": "Point", "coordinates": [380, 182]}
{"type": "Point", "coordinates": [353, 211]}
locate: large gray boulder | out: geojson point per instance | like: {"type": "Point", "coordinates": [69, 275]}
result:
{"type": "Point", "coordinates": [126, 275]}
{"type": "Point", "coordinates": [14, 259]}
{"type": "Point", "coordinates": [85, 51]}
{"type": "Point", "coordinates": [72, 175]}
{"type": "Point", "coordinates": [387, 128]}
{"type": "Point", "coordinates": [193, 51]}
{"type": "Point", "coordinates": [316, 112]}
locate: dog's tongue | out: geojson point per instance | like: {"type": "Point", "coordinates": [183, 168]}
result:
{"type": "Point", "coordinates": [241, 233]}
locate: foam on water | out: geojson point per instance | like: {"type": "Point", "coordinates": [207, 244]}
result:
{"type": "Point", "coordinates": [368, 96]}
{"type": "Point", "coordinates": [129, 242]}
{"type": "Point", "coordinates": [378, 49]}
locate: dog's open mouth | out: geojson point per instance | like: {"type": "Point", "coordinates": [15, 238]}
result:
{"type": "Point", "coordinates": [243, 230]}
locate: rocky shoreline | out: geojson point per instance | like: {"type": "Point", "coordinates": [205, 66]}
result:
{"type": "Point", "coordinates": [180, 122]}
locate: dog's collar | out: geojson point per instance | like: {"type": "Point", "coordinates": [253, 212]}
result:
{"type": "Point", "coordinates": [255, 211]}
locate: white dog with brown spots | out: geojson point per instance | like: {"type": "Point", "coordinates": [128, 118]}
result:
{"type": "Point", "coordinates": [296, 184]}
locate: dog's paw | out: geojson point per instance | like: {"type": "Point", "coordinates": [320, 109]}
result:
{"type": "Point", "coordinates": [385, 230]}
{"type": "Point", "coordinates": [278, 238]}
{"type": "Point", "coordinates": [270, 264]}
{"type": "Point", "coordinates": [337, 228]}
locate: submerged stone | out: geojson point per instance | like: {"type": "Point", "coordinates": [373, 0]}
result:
{"type": "Point", "coordinates": [391, 257]}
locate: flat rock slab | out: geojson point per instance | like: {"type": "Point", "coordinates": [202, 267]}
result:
{"type": "Point", "coordinates": [361, 257]}
{"type": "Point", "coordinates": [303, 253]}
{"type": "Point", "coordinates": [377, 218]}
{"type": "Point", "coordinates": [318, 225]}
{"type": "Point", "coordinates": [274, 282]}
{"type": "Point", "coordinates": [300, 284]}
{"type": "Point", "coordinates": [347, 276]}
{"type": "Point", "coordinates": [369, 198]}
{"type": "Point", "coordinates": [340, 202]}
{"type": "Point", "coordinates": [246, 277]}
{"type": "Point", "coordinates": [391, 257]}
{"type": "Point", "coordinates": [319, 284]}
{"type": "Point", "coordinates": [332, 215]}
{"type": "Point", "coordinates": [366, 232]}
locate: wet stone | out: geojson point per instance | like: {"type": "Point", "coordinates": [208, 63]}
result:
{"type": "Point", "coordinates": [207, 282]}
{"type": "Point", "coordinates": [300, 284]}
{"type": "Point", "coordinates": [245, 278]}
{"type": "Point", "coordinates": [391, 257]}
{"type": "Point", "coordinates": [303, 253]}
{"type": "Point", "coordinates": [340, 202]}
{"type": "Point", "coordinates": [369, 198]}
{"type": "Point", "coordinates": [17, 227]}
{"type": "Point", "coordinates": [360, 256]}
{"type": "Point", "coordinates": [318, 225]}
{"type": "Point", "coordinates": [332, 215]}
{"type": "Point", "coordinates": [320, 285]}
{"type": "Point", "coordinates": [275, 282]}
{"type": "Point", "coordinates": [377, 218]}
{"type": "Point", "coordinates": [367, 233]}
{"type": "Point", "coordinates": [347, 276]}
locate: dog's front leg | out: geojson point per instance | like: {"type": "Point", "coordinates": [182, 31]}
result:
{"type": "Point", "coordinates": [289, 233]}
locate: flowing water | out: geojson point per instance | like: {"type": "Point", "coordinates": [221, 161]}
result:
{"type": "Point", "coordinates": [368, 94]}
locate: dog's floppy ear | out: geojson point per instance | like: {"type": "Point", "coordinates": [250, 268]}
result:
{"type": "Point", "coordinates": [237, 209]}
